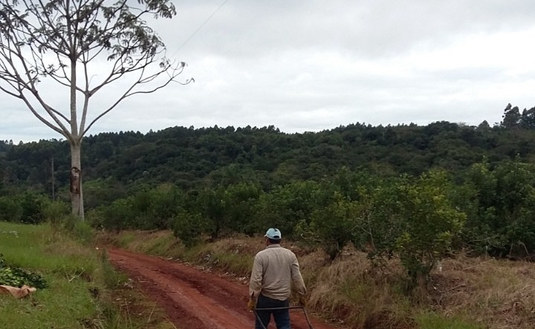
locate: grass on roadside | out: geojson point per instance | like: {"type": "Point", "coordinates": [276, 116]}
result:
{"type": "Point", "coordinates": [431, 320]}
{"type": "Point", "coordinates": [83, 289]}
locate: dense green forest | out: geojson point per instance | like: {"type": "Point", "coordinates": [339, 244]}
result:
{"type": "Point", "coordinates": [189, 157]}
{"type": "Point", "coordinates": [418, 191]}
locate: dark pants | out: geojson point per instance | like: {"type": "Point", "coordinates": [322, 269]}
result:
{"type": "Point", "coordinates": [282, 317]}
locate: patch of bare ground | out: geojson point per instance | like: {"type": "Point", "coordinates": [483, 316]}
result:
{"type": "Point", "coordinates": [140, 311]}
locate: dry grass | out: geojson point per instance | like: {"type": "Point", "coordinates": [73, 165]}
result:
{"type": "Point", "coordinates": [351, 291]}
{"type": "Point", "coordinates": [499, 293]}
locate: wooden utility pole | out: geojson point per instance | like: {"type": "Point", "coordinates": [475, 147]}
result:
{"type": "Point", "coordinates": [53, 178]}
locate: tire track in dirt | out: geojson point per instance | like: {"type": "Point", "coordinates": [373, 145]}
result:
{"type": "Point", "coordinates": [193, 298]}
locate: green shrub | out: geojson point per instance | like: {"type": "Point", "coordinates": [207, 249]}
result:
{"type": "Point", "coordinates": [499, 203]}
{"type": "Point", "coordinates": [17, 277]}
{"type": "Point", "coordinates": [117, 216]}
{"type": "Point", "coordinates": [431, 223]}
{"type": "Point", "coordinates": [10, 209]}
{"type": "Point", "coordinates": [32, 208]}
{"type": "Point", "coordinates": [27, 207]}
{"type": "Point", "coordinates": [332, 227]}
{"type": "Point", "coordinates": [55, 212]}
{"type": "Point", "coordinates": [190, 228]}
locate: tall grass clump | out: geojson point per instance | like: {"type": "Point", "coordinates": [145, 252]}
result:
{"type": "Point", "coordinates": [57, 214]}
{"type": "Point", "coordinates": [352, 290]}
{"type": "Point", "coordinates": [111, 278]}
{"type": "Point", "coordinates": [230, 255]}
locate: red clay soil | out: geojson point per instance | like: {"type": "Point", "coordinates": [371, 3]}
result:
{"type": "Point", "coordinates": [195, 299]}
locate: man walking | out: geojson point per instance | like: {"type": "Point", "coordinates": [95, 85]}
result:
{"type": "Point", "coordinates": [275, 271]}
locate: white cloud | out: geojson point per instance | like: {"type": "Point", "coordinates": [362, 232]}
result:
{"type": "Point", "coordinates": [315, 65]}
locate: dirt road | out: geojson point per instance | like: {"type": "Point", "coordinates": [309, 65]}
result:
{"type": "Point", "coordinates": [195, 299]}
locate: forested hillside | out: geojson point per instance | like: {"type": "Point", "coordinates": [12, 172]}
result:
{"type": "Point", "coordinates": [189, 157]}
{"type": "Point", "coordinates": [416, 191]}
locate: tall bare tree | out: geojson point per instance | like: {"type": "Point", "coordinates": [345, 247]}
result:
{"type": "Point", "coordinates": [69, 44]}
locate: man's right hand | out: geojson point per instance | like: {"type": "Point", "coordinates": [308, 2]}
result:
{"type": "Point", "coordinates": [251, 304]}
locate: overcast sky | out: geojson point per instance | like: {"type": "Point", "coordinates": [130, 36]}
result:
{"type": "Point", "coordinates": [312, 65]}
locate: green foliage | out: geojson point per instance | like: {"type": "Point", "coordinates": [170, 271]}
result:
{"type": "Point", "coordinates": [193, 158]}
{"type": "Point", "coordinates": [239, 207]}
{"type": "Point", "coordinates": [413, 218]}
{"type": "Point", "coordinates": [55, 211]}
{"type": "Point", "coordinates": [102, 192]}
{"type": "Point", "coordinates": [27, 207]}
{"type": "Point", "coordinates": [32, 208]}
{"type": "Point", "coordinates": [155, 208]}
{"type": "Point", "coordinates": [431, 223]}
{"type": "Point", "coordinates": [500, 213]}
{"type": "Point", "coordinates": [528, 118]}
{"type": "Point", "coordinates": [212, 207]}
{"type": "Point", "coordinates": [382, 220]}
{"type": "Point", "coordinates": [17, 277]}
{"type": "Point", "coordinates": [333, 226]}
{"type": "Point", "coordinates": [287, 205]}
{"type": "Point", "coordinates": [515, 203]}
{"type": "Point", "coordinates": [190, 228]}
{"type": "Point", "coordinates": [477, 198]}
{"type": "Point", "coordinates": [10, 209]}
{"type": "Point", "coordinates": [118, 215]}
{"type": "Point", "coordinates": [511, 117]}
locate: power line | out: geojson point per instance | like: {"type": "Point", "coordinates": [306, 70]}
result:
{"type": "Point", "coordinates": [202, 25]}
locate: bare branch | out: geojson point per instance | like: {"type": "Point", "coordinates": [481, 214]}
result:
{"type": "Point", "coordinates": [176, 71]}
{"type": "Point", "coordinates": [61, 129]}
{"type": "Point", "coordinates": [49, 39]}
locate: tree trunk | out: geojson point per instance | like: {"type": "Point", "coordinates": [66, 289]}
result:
{"type": "Point", "coordinates": [77, 200]}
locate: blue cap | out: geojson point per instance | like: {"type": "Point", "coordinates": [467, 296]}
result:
{"type": "Point", "coordinates": [273, 234]}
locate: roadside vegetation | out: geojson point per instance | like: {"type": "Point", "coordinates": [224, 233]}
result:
{"type": "Point", "coordinates": [463, 292]}
{"type": "Point", "coordinates": [77, 287]}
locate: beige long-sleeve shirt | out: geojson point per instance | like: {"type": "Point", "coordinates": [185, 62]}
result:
{"type": "Point", "coordinates": [274, 271]}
